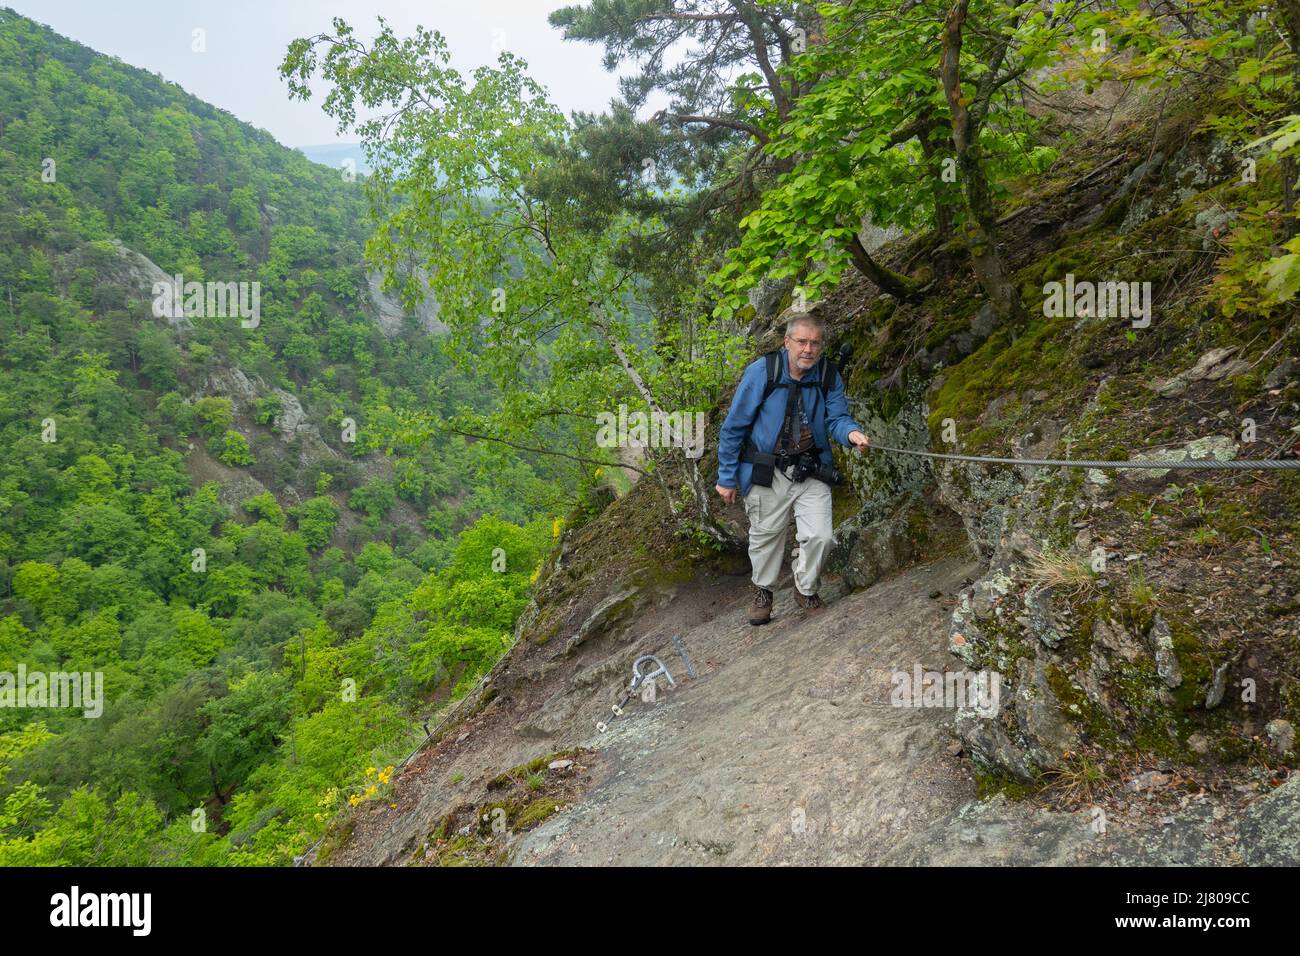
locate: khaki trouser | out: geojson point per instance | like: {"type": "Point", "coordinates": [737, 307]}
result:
{"type": "Point", "coordinates": [769, 516]}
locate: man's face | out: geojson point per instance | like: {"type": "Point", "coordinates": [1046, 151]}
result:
{"type": "Point", "coordinates": [804, 343]}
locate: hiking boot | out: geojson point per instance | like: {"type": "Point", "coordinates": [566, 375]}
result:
{"type": "Point", "coordinates": [809, 602]}
{"type": "Point", "coordinates": [760, 612]}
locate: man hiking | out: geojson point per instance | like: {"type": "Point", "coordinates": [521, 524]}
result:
{"type": "Point", "coordinates": [774, 448]}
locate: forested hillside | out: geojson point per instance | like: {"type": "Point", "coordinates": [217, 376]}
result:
{"type": "Point", "coordinates": [203, 511]}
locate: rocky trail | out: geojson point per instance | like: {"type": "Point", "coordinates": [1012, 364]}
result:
{"type": "Point", "coordinates": [785, 749]}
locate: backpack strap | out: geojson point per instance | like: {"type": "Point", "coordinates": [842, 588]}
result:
{"type": "Point", "coordinates": [829, 371]}
{"type": "Point", "coordinates": [773, 360]}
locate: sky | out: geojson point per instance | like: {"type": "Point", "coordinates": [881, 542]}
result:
{"type": "Point", "coordinates": [246, 40]}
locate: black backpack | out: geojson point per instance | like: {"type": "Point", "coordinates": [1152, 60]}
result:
{"type": "Point", "coordinates": [765, 462]}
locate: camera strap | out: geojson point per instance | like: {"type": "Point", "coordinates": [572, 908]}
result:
{"type": "Point", "coordinates": [789, 437]}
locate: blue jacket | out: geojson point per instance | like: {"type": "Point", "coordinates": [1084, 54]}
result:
{"type": "Point", "coordinates": [833, 415]}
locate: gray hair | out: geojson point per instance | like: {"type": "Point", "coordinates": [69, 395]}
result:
{"type": "Point", "coordinates": [806, 318]}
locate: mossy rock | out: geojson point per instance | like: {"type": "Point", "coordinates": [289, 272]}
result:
{"type": "Point", "coordinates": [536, 812]}
{"type": "Point", "coordinates": [538, 765]}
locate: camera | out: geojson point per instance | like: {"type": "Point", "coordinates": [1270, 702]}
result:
{"type": "Point", "coordinates": [809, 465]}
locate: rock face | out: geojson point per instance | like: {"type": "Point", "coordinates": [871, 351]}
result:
{"type": "Point", "coordinates": [1079, 669]}
{"type": "Point", "coordinates": [296, 441]}
{"type": "Point", "coordinates": [766, 298]}
{"type": "Point", "coordinates": [982, 497]}
{"type": "Point", "coordinates": [1270, 828]}
{"type": "Point", "coordinates": [1011, 622]}
{"type": "Point", "coordinates": [1166, 180]}
{"type": "Point", "coordinates": [998, 832]}
{"type": "Point", "coordinates": [292, 419]}
{"type": "Point", "coordinates": [135, 273]}
{"type": "Point", "coordinates": [1212, 366]}
{"type": "Point", "coordinates": [1162, 649]}
{"type": "Point", "coordinates": [389, 313]}
{"type": "Point", "coordinates": [881, 536]}
{"type": "Point", "coordinates": [290, 424]}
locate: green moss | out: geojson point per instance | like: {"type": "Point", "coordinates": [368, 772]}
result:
{"type": "Point", "coordinates": [1157, 729]}
{"type": "Point", "coordinates": [524, 770]}
{"type": "Point", "coordinates": [988, 785]}
{"type": "Point", "coordinates": [1099, 727]}
{"type": "Point", "coordinates": [487, 814]}
{"type": "Point", "coordinates": [844, 504]}
{"type": "Point", "coordinates": [337, 835]}
{"type": "Point", "coordinates": [871, 337]}
{"type": "Point", "coordinates": [890, 403]}
{"type": "Point", "coordinates": [958, 320]}
{"type": "Point", "coordinates": [536, 812]}
{"type": "Point", "coordinates": [918, 525]}
{"type": "Point", "coordinates": [463, 850]}
{"type": "Point", "coordinates": [1036, 359]}
{"type": "Point", "coordinates": [664, 573]}
{"type": "Point", "coordinates": [1143, 506]}
{"type": "Point", "coordinates": [443, 828]}
{"type": "Point", "coordinates": [1248, 386]}
{"type": "Point", "coordinates": [1231, 748]}
{"type": "Point", "coordinates": [1084, 256]}
{"type": "Point", "coordinates": [1195, 661]}
{"type": "Point", "coordinates": [543, 636]}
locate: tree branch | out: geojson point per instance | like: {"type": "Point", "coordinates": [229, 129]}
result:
{"type": "Point", "coordinates": [681, 118]}
{"type": "Point", "coordinates": [546, 451]}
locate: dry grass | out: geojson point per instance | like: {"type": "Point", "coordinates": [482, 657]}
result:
{"type": "Point", "coordinates": [1081, 781]}
{"type": "Point", "coordinates": [1064, 571]}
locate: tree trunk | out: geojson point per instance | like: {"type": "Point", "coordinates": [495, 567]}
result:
{"type": "Point", "coordinates": [1289, 11]}
{"type": "Point", "coordinates": [981, 226]}
{"type": "Point", "coordinates": [981, 236]}
{"type": "Point", "coordinates": [886, 279]}
{"type": "Point", "coordinates": [1290, 226]}
{"type": "Point", "coordinates": [931, 145]}
{"type": "Point", "coordinates": [698, 489]}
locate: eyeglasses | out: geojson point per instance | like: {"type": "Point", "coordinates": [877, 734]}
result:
{"type": "Point", "coordinates": [813, 343]}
